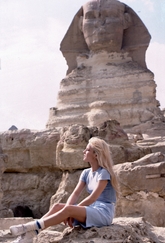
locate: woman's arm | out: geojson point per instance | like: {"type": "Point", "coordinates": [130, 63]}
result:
{"type": "Point", "coordinates": [73, 199]}
{"type": "Point", "coordinates": [76, 193]}
{"type": "Point", "coordinates": [95, 194]}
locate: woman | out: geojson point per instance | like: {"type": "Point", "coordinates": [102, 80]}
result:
{"type": "Point", "coordinates": [97, 209]}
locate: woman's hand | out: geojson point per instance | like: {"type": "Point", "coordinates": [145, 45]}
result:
{"type": "Point", "coordinates": [65, 221]}
{"type": "Point", "coordinates": [69, 221]}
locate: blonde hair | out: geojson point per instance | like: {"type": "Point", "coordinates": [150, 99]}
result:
{"type": "Point", "coordinates": [103, 153]}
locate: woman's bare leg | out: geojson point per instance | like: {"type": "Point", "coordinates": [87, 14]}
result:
{"type": "Point", "coordinates": [70, 211]}
{"type": "Point", "coordinates": [67, 212]}
{"type": "Point", "coordinates": [55, 208]}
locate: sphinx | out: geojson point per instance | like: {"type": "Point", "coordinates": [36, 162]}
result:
{"type": "Point", "coordinates": [107, 76]}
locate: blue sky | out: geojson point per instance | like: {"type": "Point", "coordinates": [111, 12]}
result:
{"type": "Point", "coordinates": [32, 65]}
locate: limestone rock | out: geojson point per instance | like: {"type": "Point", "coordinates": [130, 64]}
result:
{"type": "Point", "coordinates": [143, 195]}
{"type": "Point", "coordinates": [32, 190]}
{"type": "Point", "coordinates": [129, 230]}
{"type": "Point", "coordinates": [4, 212]}
{"type": "Point", "coordinates": [70, 147]}
{"type": "Point", "coordinates": [66, 187]}
{"type": "Point", "coordinates": [116, 89]}
{"type": "Point", "coordinates": [28, 149]}
{"type": "Point", "coordinates": [112, 132]}
{"type": "Point", "coordinates": [30, 174]}
{"type": "Point", "coordinates": [5, 223]}
{"type": "Point", "coordinates": [153, 135]}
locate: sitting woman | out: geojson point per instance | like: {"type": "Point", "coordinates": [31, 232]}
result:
{"type": "Point", "coordinates": [97, 209]}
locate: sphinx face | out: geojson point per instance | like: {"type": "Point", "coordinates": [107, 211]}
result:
{"type": "Point", "coordinates": [102, 25]}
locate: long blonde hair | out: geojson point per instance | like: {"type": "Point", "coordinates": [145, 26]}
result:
{"type": "Point", "coordinates": [103, 153]}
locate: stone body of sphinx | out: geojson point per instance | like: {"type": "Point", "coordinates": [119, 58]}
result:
{"type": "Point", "coordinates": [107, 77]}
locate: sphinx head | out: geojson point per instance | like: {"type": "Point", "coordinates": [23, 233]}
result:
{"type": "Point", "coordinates": [107, 25]}
{"type": "Point", "coordinates": [103, 23]}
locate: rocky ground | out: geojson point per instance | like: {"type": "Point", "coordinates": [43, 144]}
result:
{"type": "Point", "coordinates": [123, 230]}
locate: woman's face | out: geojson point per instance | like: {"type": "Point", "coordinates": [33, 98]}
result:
{"type": "Point", "coordinates": [89, 155]}
{"type": "Point", "coordinates": [102, 25]}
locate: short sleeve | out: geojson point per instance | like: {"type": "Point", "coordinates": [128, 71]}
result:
{"type": "Point", "coordinates": [104, 175]}
{"type": "Point", "coordinates": [84, 174]}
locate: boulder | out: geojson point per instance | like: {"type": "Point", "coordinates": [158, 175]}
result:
{"type": "Point", "coordinates": [142, 188]}
{"type": "Point", "coordinates": [129, 230]}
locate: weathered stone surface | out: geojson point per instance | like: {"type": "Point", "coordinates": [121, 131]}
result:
{"type": "Point", "coordinates": [112, 132]}
{"type": "Point", "coordinates": [142, 188]}
{"type": "Point", "coordinates": [93, 29]}
{"type": "Point", "coordinates": [70, 147]}
{"type": "Point", "coordinates": [30, 175]}
{"type": "Point", "coordinates": [30, 189]}
{"type": "Point", "coordinates": [153, 135]}
{"type": "Point", "coordinates": [28, 150]}
{"type": "Point", "coordinates": [2, 169]}
{"type": "Point", "coordinates": [97, 92]}
{"type": "Point", "coordinates": [4, 211]}
{"type": "Point", "coordinates": [129, 230]}
{"type": "Point", "coordinates": [107, 75]}
{"type": "Point", "coordinates": [66, 187]}
{"type": "Point", "coordinates": [133, 230]}
{"type": "Point", "coordinates": [5, 223]}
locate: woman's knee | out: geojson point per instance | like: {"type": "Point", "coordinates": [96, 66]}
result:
{"type": "Point", "coordinates": [57, 206]}
{"type": "Point", "coordinates": [69, 208]}
{"type": "Point", "coordinates": [76, 212]}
